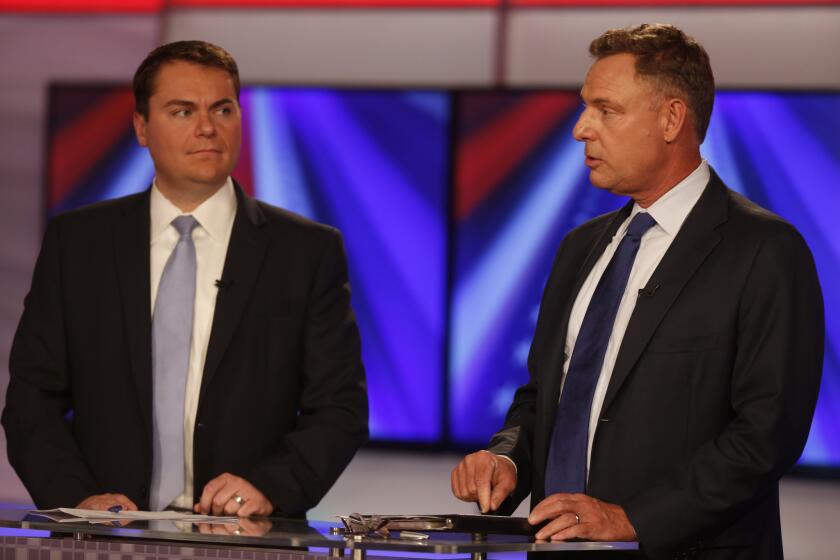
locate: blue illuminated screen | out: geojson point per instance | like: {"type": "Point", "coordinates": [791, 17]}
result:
{"type": "Point", "coordinates": [374, 164]}
{"type": "Point", "coordinates": [515, 200]}
{"type": "Point", "coordinates": [452, 205]}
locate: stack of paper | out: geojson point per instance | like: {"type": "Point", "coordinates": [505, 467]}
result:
{"type": "Point", "coordinates": [64, 515]}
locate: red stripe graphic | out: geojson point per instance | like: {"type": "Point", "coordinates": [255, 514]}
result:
{"type": "Point", "coordinates": [335, 3]}
{"type": "Point", "coordinates": [71, 6]}
{"type": "Point", "coordinates": [643, 3]}
{"type": "Point", "coordinates": [244, 170]}
{"type": "Point", "coordinates": [151, 6]}
{"type": "Point", "coordinates": [82, 144]}
{"type": "Point", "coordinates": [490, 154]}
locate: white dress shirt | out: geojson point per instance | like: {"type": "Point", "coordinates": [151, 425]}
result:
{"type": "Point", "coordinates": [669, 212]}
{"type": "Point", "coordinates": [215, 222]}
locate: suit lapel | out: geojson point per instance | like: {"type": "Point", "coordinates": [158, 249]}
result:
{"type": "Point", "coordinates": [554, 370]}
{"type": "Point", "coordinates": [245, 255]}
{"type": "Point", "coordinates": [131, 249]}
{"type": "Point", "coordinates": [692, 245]}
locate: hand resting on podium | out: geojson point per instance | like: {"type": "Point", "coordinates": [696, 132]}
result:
{"type": "Point", "coordinates": [488, 479]}
{"type": "Point", "coordinates": [220, 498]}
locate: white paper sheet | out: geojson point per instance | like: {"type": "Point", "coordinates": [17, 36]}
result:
{"type": "Point", "coordinates": [64, 515]}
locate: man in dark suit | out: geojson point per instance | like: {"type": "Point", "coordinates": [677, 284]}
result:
{"type": "Point", "coordinates": [187, 346]}
{"type": "Point", "coordinates": [676, 361]}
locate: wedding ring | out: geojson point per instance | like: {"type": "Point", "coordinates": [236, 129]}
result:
{"type": "Point", "coordinates": [238, 499]}
{"type": "Point", "coordinates": [577, 519]}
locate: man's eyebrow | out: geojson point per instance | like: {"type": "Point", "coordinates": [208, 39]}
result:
{"type": "Point", "coordinates": [179, 102]}
{"type": "Point", "coordinates": [220, 102]}
{"type": "Point", "coordinates": [185, 103]}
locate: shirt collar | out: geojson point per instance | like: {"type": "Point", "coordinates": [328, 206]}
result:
{"type": "Point", "coordinates": [214, 215]}
{"type": "Point", "coordinates": [671, 210]}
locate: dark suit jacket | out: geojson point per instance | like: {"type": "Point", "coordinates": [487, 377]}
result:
{"type": "Point", "coordinates": [714, 386]}
{"type": "Point", "coordinates": [282, 400]}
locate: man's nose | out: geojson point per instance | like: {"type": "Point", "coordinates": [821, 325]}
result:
{"type": "Point", "coordinates": [205, 125]}
{"type": "Point", "coordinates": [582, 130]}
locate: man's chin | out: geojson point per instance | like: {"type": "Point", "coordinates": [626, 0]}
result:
{"type": "Point", "coordinates": [599, 181]}
{"type": "Point", "coordinates": [215, 177]}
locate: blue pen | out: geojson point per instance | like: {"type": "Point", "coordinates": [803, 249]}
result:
{"type": "Point", "coordinates": [115, 509]}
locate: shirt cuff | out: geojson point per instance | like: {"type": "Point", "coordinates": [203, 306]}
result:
{"type": "Point", "coordinates": [515, 470]}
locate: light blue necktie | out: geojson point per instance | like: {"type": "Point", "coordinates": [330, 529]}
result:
{"type": "Point", "coordinates": [171, 336]}
{"type": "Point", "coordinates": [566, 468]}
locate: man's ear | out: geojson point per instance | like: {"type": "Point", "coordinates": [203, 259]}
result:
{"type": "Point", "coordinates": [140, 128]}
{"type": "Point", "coordinates": [673, 117]}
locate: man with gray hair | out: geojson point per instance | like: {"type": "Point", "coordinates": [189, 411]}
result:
{"type": "Point", "coordinates": [677, 357]}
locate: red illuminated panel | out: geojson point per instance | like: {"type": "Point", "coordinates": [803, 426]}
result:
{"type": "Point", "coordinates": [82, 143]}
{"type": "Point", "coordinates": [333, 3]}
{"type": "Point", "coordinates": [135, 6]}
{"type": "Point", "coordinates": [641, 3]}
{"type": "Point", "coordinates": [140, 6]}
{"type": "Point", "coordinates": [71, 6]}
{"type": "Point", "coordinates": [488, 155]}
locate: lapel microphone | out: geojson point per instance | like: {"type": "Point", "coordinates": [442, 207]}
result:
{"type": "Point", "coordinates": [223, 284]}
{"type": "Point", "coordinates": [648, 292]}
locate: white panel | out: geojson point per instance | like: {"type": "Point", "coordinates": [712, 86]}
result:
{"type": "Point", "coordinates": [809, 511]}
{"type": "Point", "coordinates": [758, 47]}
{"type": "Point", "coordinates": [380, 481]}
{"type": "Point", "coordinates": [370, 47]}
{"type": "Point", "coordinates": [36, 51]}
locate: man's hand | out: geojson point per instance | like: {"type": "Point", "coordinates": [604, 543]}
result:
{"type": "Point", "coordinates": [105, 501]}
{"type": "Point", "coordinates": [220, 498]}
{"type": "Point", "coordinates": [485, 478]}
{"type": "Point", "coordinates": [582, 517]}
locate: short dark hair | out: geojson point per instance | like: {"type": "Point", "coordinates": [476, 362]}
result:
{"type": "Point", "coordinates": [673, 61]}
{"type": "Point", "coordinates": [197, 52]}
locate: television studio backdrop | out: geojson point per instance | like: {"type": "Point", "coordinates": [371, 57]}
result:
{"type": "Point", "coordinates": [441, 146]}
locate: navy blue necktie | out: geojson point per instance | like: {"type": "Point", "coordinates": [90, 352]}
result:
{"type": "Point", "coordinates": [566, 468]}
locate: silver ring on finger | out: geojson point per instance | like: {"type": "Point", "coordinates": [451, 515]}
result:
{"type": "Point", "coordinates": [238, 499]}
{"type": "Point", "coordinates": [577, 519]}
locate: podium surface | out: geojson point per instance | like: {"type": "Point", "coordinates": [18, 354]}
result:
{"type": "Point", "coordinates": [260, 539]}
